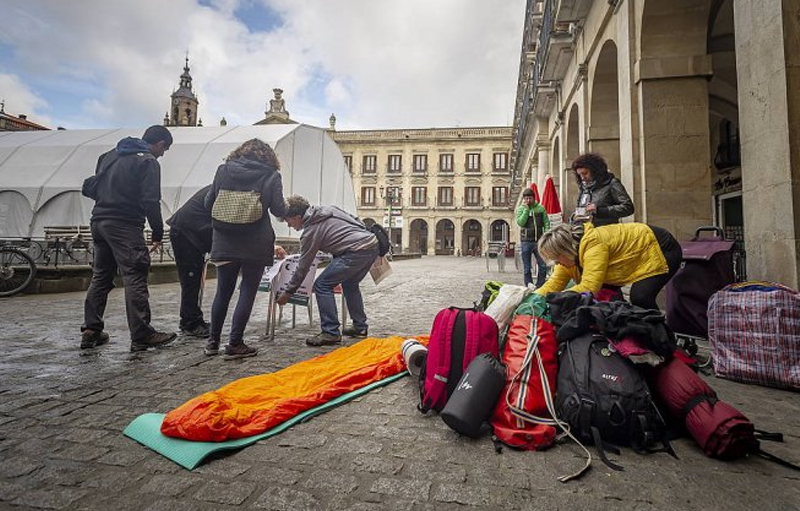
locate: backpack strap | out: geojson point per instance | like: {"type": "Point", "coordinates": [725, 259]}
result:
{"type": "Point", "coordinates": [711, 399]}
{"type": "Point", "coordinates": [767, 436]}
{"type": "Point", "coordinates": [444, 354]}
{"type": "Point", "coordinates": [775, 459]}
{"type": "Point", "coordinates": [772, 437]}
{"type": "Point", "coordinates": [472, 321]}
{"type": "Point", "coordinates": [601, 452]}
{"type": "Point", "coordinates": [643, 436]}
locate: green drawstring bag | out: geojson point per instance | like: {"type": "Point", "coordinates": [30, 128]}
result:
{"type": "Point", "coordinates": [490, 290]}
{"type": "Point", "coordinates": [534, 305]}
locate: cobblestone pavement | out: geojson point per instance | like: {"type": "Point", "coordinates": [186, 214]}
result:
{"type": "Point", "coordinates": [62, 412]}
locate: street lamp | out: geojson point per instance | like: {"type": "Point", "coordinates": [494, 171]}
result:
{"type": "Point", "coordinates": [390, 193]}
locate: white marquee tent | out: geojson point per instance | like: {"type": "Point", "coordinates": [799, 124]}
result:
{"type": "Point", "coordinates": [41, 172]}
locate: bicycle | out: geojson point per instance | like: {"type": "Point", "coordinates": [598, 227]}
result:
{"type": "Point", "coordinates": [17, 271]}
{"type": "Point", "coordinates": [68, 250]}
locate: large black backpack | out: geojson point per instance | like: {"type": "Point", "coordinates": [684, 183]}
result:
{"type": "Point", "coordinates": [605, 399]}
{"type": "Point", "coordinates": [383, 239]}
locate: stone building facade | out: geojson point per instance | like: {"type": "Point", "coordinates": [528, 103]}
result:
{"type": "Point", "coordinates": [694, 103]}
{"type": "Point", "coordinates": [448, 191]}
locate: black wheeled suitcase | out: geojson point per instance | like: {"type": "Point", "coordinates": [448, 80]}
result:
{"type": "Point", "coordinates": [707, 267]}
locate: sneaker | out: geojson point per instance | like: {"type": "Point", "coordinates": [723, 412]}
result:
{"type": "Point", "coordinates": [324, 339]}
{"type": "Point", "coordinates": [201, 330]}
{"type": "Point", "coordinates": [352, 331]}
{"type": "Point", "coordinates": [212, 347]}
{"type": "Point", "coordinates": [93, 338]}
{"type": "Point", "coordinates": [239, 351]}
{"type": "Point", "coordinates": [154, 340]}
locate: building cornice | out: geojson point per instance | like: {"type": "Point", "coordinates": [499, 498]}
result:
{"type": "Point", "coordinates": [427, 134]}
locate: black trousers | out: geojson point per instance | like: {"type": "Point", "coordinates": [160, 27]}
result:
{"type": "Point", "coordinates": [119, 245]}
{"type": "Point", "coordinates": [644, 292]}
{"type": "Point", "coordinates": [227, 275]}
{"type": "Point", "coordinates": [189, 261]}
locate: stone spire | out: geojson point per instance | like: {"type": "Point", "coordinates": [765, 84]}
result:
{"type": "Point", "coordinates": [183, 109]}
{"type": "Point", "coordinates": [186, 78]}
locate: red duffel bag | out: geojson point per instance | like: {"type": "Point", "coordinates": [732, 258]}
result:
{"type": "Point", "coordinates": [521, 419]}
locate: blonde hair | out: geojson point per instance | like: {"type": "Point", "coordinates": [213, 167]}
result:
{"type": "Point", "coordinates": [258, 150]}
{"type": "Point", "coordinates": [561, 240]}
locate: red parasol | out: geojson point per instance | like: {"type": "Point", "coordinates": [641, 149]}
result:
{"type": "Point", "coordinates": [535, 192]}
{"type": "Point", "coordinates": [550, 198]}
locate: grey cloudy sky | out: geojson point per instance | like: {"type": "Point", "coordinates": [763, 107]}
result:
{"type": "Point", "coordinates": [375, 63]}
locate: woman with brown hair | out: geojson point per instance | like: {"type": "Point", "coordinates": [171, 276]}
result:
{"type": "Point", "coordinates": [245, 188]}
{"type": "Point", "coordinates": [603, 199]}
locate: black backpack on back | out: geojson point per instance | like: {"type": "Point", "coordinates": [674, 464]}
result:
{"type": "Point", "coordinates": [383, 239]}
{"type": "Point", "coordinates": [605, 399]}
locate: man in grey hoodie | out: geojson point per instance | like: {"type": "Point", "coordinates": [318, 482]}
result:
{"type": "Point", "coordinates": [354, 249]}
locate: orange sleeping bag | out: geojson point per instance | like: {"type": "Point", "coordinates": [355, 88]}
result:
{"type": "Point", "coordinates": [256, 404]}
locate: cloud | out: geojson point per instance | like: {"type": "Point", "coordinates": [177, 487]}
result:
{"type": "Point", "coordinates": [338, 93]}
{"type": "Point", "coordinates": [19, 99]}
{"type": "Point", "coordinates": [375, 63]}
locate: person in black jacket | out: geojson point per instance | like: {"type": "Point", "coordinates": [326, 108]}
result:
{"type": "Point", "coordinates": [603, 199]}
{"type": "Point", "coordinates": [128, 192]}
{"type": "Point", "coordinates": [190, 235]}
{"type": "Point", "coordinates": [242, 247]}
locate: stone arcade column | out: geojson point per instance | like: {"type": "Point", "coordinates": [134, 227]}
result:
{"type": "Point", "coordinates": [543, 168]}
{"type": "Point", "coordinates": [768, 69]}
{"type": "Point", "coordinates": [629, 170]}
{"type": "Point", "coordinates": [674, 147]}
{"type": "Point", "coordinates": [431, 235]}
{"type": "Point", "coordinates": [458, 224]}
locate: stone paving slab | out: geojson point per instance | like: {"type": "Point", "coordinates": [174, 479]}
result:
{"type": "Point", "coordinates": [62, 412]}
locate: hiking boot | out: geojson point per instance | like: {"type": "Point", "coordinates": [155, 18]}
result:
{"type": "Point", "coordinates": [232, 352]}
{"type": "Point", "coordinates": [93, 338]}
{"type": "Point", "coordinates": [212, 347]}
{"type": "Point", "coordinates": [201, 330]}
{"type": "Point", "coordinates": [154, 340]}
{"type": "Point", "coordinates": [352, 331]}
{"type": "Point", "coordinates": [324, 339]}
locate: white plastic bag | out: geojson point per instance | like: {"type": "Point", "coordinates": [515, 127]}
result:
{"type": "Point", "coordinates": [503, 306]}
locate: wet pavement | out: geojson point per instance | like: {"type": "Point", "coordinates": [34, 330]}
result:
{"type": "Point", "coordinates": [62, 412]}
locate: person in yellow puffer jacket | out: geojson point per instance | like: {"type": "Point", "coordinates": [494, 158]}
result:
{"type": "Point", "coordinates": [613, 255]}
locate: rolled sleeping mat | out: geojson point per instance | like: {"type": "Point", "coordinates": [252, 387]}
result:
{"type": "Point", "coordinates": [414, 355]}
{"type": "Point", "coordinates": [474, 398]}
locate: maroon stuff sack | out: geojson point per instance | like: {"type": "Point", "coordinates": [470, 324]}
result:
{"type": "Point", "coordinates": [457, 337]}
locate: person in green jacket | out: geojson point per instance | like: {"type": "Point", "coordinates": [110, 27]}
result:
{"type": "Point", "coordinates": [533, 222]}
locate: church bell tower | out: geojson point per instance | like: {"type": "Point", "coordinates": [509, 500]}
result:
{"type": "Point", "coordinates": [183, 109]}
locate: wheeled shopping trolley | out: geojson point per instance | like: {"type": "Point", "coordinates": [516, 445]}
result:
{"type": "Point", "coordinates": [707, 267]}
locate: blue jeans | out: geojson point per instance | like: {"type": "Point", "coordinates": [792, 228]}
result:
{"type": "Point", "coordinates": [529, 249]}
{"type": "Point", "coordinates": [347, 269]}
{"type": "Point", "coordinates": [227, 275]}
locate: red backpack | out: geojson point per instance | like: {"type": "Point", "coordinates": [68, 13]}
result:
{"type": "Point", "coordinates": [457, 337]}
{"type": "Point", "coordinates": [522, 417]}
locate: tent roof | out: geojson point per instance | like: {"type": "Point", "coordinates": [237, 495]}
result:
{"type": "Point", "coordinates": [41, 166]}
